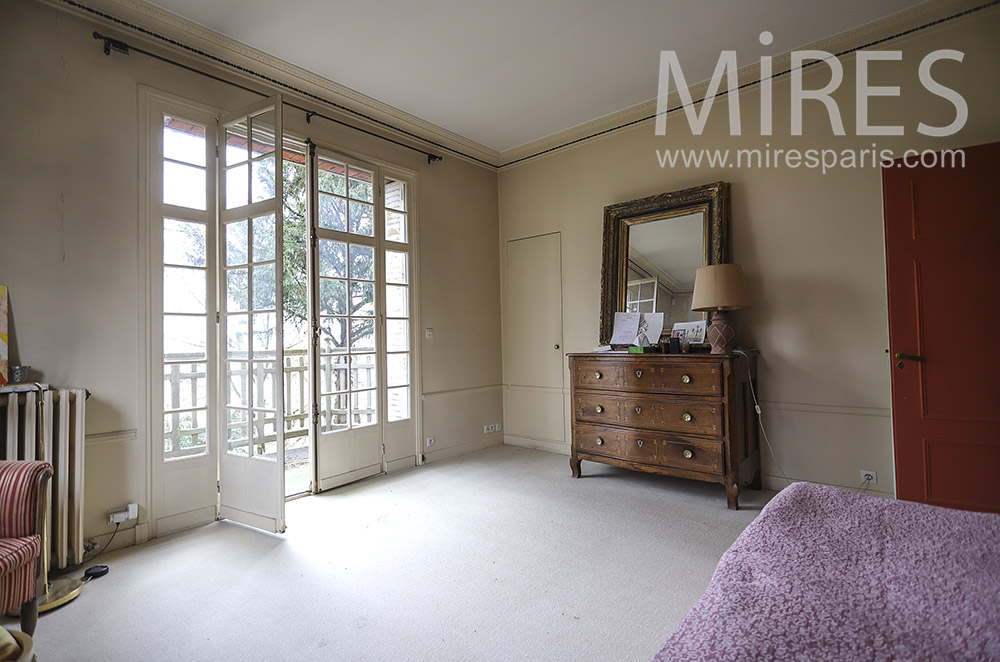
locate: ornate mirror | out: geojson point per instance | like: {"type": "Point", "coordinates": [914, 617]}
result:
{"type": "Point", "coordinates": [652, 247]}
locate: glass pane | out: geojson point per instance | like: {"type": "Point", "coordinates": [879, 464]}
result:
{"type": "Point", "coordinates": [184, 433]}
{"type": "Point", "coordinates": [237, 193]}
{"type": "Point", "coordinates": [262, 133]}
{"type": "Point", "coordinates": [398, 404]}
{"type": "Point", "coordinates": [395, 226]}
{"type": "Point", "coordinates": [183, 290]}
{"type": "Point", "coordinates": [363, 408]}
{"type": "Point", "coordinates": [264, 435]}
{"type": "Point", "coordinates": [293, 181]}
{"type": "Point", "coordinates": [262, 382]}
{"type": "Point", "coordinates": [185, 386]}
{"type": "Point", "coordinates": [263, 238]}
{"type": "Point", "coordinates": [332, 213]}
{"type": "Point", "coordinates": [236, 243]}
{"type": "Point", "coordinates": [238, 438]}
{"type": "Point", "coordinates": [397, 301]}
{"type": "Point", "coordinates": [264, 295]}
{"type": "Point", "coordinates": [263, 179]}
{"type": "Point", "coordinates": [362, 262]}
{"type": "Point", "coordinates": [362, 219]}
{"type": "Point", "coordinates": [332, 259]}
{"type": "Point", "coordinates": [333, 373]}
{"type": "Point", "coordinates": [360, 184]}
{"type": "Point", "coordinates": [183, 141]}
{"type": "Point", "coordinates": [397, 370]}
{"type": "Point", "coordinates": [646, 290]}
{"type": "Point", "coordinates": [362, 334]}
{"type": "Point", "coordinates": [295, 335]}
{"type": "Point", "coordinates": [236, 290]}
{"type": "Point", "coordinates": [184, 185]}
{"type": "Point", "coordinates": [397, 335]}
{"type": "Point", "coordinates": [395, 195]}
{"type": "Point", "coordinates": [333, 412]}
{"type": "Point", "coordinates": [265, 334]}
{"type": "Point", "coordinates": [363, 372]}
{"type": "Point", "coordinates": [645, 306]}
{"type": "Point", "coordinates": [236, 145]}
{"type": "Point", "coordinates": [333, 335]}
{"type": "Point", "coordinates": [396, 269]}
{"type": "Point", "coordinates": [332, 296]}
{"type": "Point", "coordinates": [183, 243]}
{"type": "Point", "coordinates": [331, 177]}
{"type": "Point", "coordinates": [363, 299]}
{"type": "Point", "coordinates": [184, 337]}
{"type": "Point", "coordinates": [237, 336]}
{"type": "Point", "coordinates": [238, 380]}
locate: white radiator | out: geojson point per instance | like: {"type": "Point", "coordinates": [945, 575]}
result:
{"type": "Point", "coordinates": [51, 428]}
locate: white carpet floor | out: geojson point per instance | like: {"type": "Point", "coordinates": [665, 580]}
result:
{"type": "Point", "coordinates": [495, 555]}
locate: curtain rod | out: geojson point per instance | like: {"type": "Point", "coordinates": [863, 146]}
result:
{"type": "Point", "coordinates": [118, 46]}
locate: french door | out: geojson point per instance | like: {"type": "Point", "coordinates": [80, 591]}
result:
{"type": "Point", "coordinates": [251, 459]}
{"type": "Point", "coordinates": [362, 336]}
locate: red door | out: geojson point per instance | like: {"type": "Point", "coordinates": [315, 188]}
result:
{"type": "Point", "coordinates": [942, 237]}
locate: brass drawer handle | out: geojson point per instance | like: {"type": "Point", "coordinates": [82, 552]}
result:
{"type": "Point", "coordinates": [638, 410]}
{"type": "Point", "coordinates": [599, 409]}
{"type": "Point", "coordinates": [638, 373]}
{"type": "Point", "coordinates": [686, 417]}
{"type": "Point", "coordinates": [597, 375]}
{"type": "Point", "coordinates": [599, 441]}
{"type": "Point", "coordinates": [686, 379]}
{"type": "Point", "coordinates": [688, 454]}
{"type": "Point", "coordinates": [639, 442]}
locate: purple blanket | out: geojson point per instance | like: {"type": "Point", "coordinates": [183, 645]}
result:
{"type": "Point", "coordinates": [829, 574]}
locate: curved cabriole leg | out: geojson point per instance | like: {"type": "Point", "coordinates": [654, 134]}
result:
{"type": "Point", "coordinates": [732, 495]}
{"type": "Point", "coordinates": [574, 466]}
{"type": "Point", "coordinates": [29, 616]}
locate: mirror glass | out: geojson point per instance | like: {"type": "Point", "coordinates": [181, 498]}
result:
{"type": "Point", "coordinates": [663, 256]}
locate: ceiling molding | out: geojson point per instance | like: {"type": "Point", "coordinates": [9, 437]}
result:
{"type": "Point", "coordinates": [892, 26]}
{"type": "Point", "coordinates": [198, 37]}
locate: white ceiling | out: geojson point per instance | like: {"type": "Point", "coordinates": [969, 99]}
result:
{"type": "Point", "coordinates": [506, 73]}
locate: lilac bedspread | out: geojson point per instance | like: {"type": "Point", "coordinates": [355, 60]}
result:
{"type": "Point", "coordinates": [829, 574]}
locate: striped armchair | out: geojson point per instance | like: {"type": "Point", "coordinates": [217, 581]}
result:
{"type": "Point", "coordinates": [22, 519]}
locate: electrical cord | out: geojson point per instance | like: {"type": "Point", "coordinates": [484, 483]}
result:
{"type": "Point", "coordinates": [760, 418]}
{"type": "Point", "coordinates": [72, 568]}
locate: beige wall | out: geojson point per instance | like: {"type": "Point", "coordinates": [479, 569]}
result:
{"type": "Point", "coordinates": [811, 244]}
{"type": "Point", "coordinates": [69, 221]}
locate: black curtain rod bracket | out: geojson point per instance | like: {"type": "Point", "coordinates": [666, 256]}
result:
{"type": "Point", "coordinates": [111, 44]}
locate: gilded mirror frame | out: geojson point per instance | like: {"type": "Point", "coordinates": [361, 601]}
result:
{"type": "Point", "coordinates": [712, 199]}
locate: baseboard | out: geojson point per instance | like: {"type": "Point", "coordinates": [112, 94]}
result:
{"type": "Point", "coordinates": [462, 449]}
{"type": "Point", "coordinates": [558, 447]}
{"type": "Point", "coordinates": [778, 483]}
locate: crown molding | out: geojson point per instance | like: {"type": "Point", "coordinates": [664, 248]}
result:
{"type": "Point", "coordinates": [893, 26]}
{"type": "Point", "coordinates": [195, 36]}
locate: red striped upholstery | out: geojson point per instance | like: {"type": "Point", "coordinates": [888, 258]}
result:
{"type": "Point", "coordinates": [18, 497]}
{"type": "Point", "coordinates": [20, 543]}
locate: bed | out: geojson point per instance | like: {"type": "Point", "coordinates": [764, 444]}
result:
{"type": "Point", "coordinates": [825, 573]}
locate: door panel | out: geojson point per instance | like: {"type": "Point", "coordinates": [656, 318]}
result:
{"type": "Point", "coordinates": [251, 464]}
{"type": "Point", "coordinates": [942, 241]}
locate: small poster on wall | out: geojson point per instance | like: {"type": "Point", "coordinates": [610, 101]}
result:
{"type": "Point", "coordinates": [4, 362]}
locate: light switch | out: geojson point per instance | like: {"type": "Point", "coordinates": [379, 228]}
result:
{"type": "Point", "coordinates": [428, 332]}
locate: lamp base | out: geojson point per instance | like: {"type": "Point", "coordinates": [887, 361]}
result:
{"type": "Point", "coordinates": [721, 333]}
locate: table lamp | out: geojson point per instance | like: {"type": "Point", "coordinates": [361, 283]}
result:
{"type": "Point", "coordinates": [719, 288]}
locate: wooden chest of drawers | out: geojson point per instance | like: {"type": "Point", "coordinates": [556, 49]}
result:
{"type": "Point", "coordinates": [685, 415]}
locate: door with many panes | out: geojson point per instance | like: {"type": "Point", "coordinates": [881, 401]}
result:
{"type": "Point", "coordinates": [234, 296]}
{"type": "Point", "coordinates": [362, 336]}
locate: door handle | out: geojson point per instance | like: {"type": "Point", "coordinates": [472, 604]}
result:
{"type": "Point", "coordinates": [906, 357]}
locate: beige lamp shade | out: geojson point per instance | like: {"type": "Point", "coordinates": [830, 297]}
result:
{"type": "Point", "coordinates": [720, 287]}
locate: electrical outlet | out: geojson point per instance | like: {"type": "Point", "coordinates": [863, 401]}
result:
{"type": "Point", "coordinates": [499, 427]}
{"type": "Point", "coordinates": [119, 515]}
{"type": "Point", "coordinates": [488, 428]}
{"type": "Point", "coordinates": [869, 476]}
{"type": "Point", "coordinates": [430, 441]}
